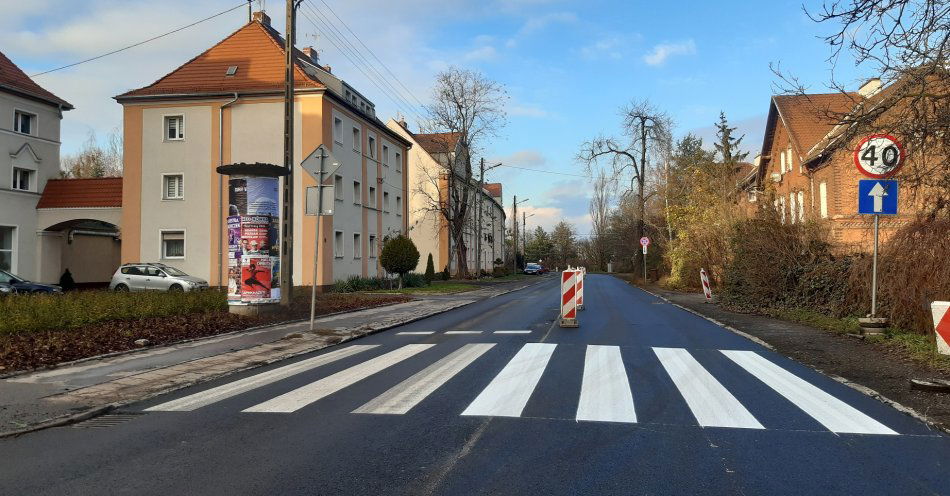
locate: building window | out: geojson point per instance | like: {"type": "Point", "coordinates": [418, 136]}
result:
{"type": "Point", "coordinates": [386, 155]}
{"type": "Point", "coordinates": [173, 244]}
{"type": "Point", "coordinates": [398, 162]}
{"type": "Point", "coordinates": [338, 130]}
{"type": "Point", "coordinates": [6, 247]}
{"type": "Point", "coordinates": [338, 188]}
{"type": "Point", "coordinates": [357, 193]}
{"type": "Point", "coordinates": [372, 197]}
{"type": "Point", "coordinates": [372, 246]}
{"type": "Point", "coordinates": [357, 246]}
{"type": "Point", "coordinates": [385, 201]}
{"type": "Point", "coordinates": [801, 206]}
{"type": "Point", "coordinates": [791, 207]}
{"type": "Point", "coordinates": [372, 146]}
{"type": "Point", "coordinates": [173, 187]}
{"type": "Point", "coordinates": [338, 244]}
{"type": "Point", "coordinates": [22, 179]}
{"type": "Point", "coordinates": [781, 208]}
{"type": "Point", "coordinates": [782, 155]}
{"type": "Point", "coordinates": [398, 205]}
{"type": "Point", "coordinates": [823, 199]}
{"type": "Point", "coordinates": [24, 122]}
{"type": "Point", "coordinates": [356, 139]}
{"type": "Point", "coordinates": [174, 127]}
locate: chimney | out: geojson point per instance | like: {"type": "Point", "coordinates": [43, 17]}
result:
{"type": "Point", "coordinates": [313, 54]}
{"type": "Point", "coordinates": [402, 122]}
{"type": "Point", "coordinates": [262, 18]}
{"type": "Point", "coordinates": [870, 88]}
{"type": "Point", "coordinates": [328, 69]}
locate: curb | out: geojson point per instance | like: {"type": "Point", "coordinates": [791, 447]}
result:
{"type": "Point", "coordinates": [102, 409]}
{"type": "Point", "coordinates": [847, 382]}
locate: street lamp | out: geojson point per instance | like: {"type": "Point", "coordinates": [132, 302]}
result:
{"type": "Point", "coordinates": [524, 236]}
{"type": "Point", "coordinates": [514, 232]}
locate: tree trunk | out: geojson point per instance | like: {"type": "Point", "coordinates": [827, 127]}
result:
{"type": "Point", "coordinates": [400, 280]}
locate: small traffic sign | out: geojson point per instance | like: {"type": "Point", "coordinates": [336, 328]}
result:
{"type": "Point", "coordinates": [645, 241]}
{"type": "Point", "coordinates": [320, 157]}
{"type": "Point", "coordinates": [644, 249]}
{"type": "Point", "coordinates": [877, 197]}
{"type": "Point", "coordinates": [879, 156]}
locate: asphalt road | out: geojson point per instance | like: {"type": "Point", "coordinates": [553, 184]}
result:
{"type": "Point", "coordinates": [643, 398]}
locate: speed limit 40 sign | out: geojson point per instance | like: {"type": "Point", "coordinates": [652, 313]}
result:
{"type": "Point", "coordinates": [879, 156]}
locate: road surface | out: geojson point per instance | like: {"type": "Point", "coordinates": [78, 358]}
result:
{"type": "Point", "coordinates": [494, 398]}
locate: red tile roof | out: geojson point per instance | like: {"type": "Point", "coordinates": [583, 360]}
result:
{"type": "Point", "coordinates": [494, 189]}
{"type": "Point", "coordinates": [809, 118]}
{"type": "Point", "coordinates": [13, 78]}
{"type": "Point", "coordinates": [255, 49]}
{"type": "Point", "coordinates": [437, 142]}
{"type": "Point", "coordinates": [82, 193]}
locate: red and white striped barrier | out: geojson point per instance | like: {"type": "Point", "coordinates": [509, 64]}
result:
{"type": "Point", "coordinates": [707, 290]}
{"type": "Point", "coordinates": [941, 311]}
{"type": "Point", "coordinates": [568, 299]}
{"type": "Point", "coordinates": [581, 272]}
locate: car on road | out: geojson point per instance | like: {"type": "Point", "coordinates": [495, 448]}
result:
{"type": "Point", "coordinates": [10, 283]}
{"type": "Point", "coordinates": [154, 277]}
{"type": "Point", "coordinates": [533, 269]}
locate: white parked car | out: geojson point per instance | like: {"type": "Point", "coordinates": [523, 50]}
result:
{"type": "Point", "coordinates": [154, 277]}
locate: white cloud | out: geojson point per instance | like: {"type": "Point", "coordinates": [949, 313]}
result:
{"type": "Point", "coordinates": [664, 51]}
{"type": "Point", "coordinates": [521, 158]}
{"type": "Point", "coordinates": [527, 111]}
{"type": "Point", "coordinates": [483, 53]}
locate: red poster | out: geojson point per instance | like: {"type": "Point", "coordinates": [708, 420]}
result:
{"type": "Point", "coordinates": [255, 279]}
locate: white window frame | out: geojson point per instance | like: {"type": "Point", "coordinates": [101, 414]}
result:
{"type": "Point", "coordinates": [13, 245]}
{"type": "Point", "coordinates": [386, 155]}
{"type": "Point", "coordinates": [371, 144]}
{"type": "Point", "coordinates": [823, 199]}
{"type": "Point", "coordinates": [372, 197]}
{"type": "Point", "coordinates": [357, 140]}
{"type": "Point", "coordinates": [161, 243]}
{"type": "Point", "coordinates": [357, 193]}
{"type": "Point", "coordinates": [398, 205]}
{"type": "Point", "coordinates": [357, 246]}
{"type": "Point", "coordinates": [782, 154]}
{"type": "Point", "coordinates": [338, 187]}
{"type": "Point", "coordinates": [792, 213]}
{"type": "Point", "coordinates": [338, 130]}
{"type": "Point", "coordinates": [398, 162]}
{"type": "Point", "coordinates": [339, 247]}
{"type": "Point", "coordinates": [372, 246]}
{"type": "Point", "coordinates": [166, 118]}
{"type": "Point", "coordinates": [30, 178]}
{"type": "Point", "coordinates": [34, 121]}
{"type": "Point", "coordinates": [181, 186]}
{"type": "Point", "coordinates": [385, 201]}
{"type": "Point", "coordinates": [801, 206]}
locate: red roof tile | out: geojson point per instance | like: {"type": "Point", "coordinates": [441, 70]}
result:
{"type": "Point", "coordinates": [810, 117]}
{"type": "Point", "coordinates": [494, 189]}
{"type": "Point", "coordinates": [82, 193]}
{"type": "Point", "coordinates": [437, 142]}
{"type": "Point", "coordinates": [12, 77]}
{"type": "Point", "coordinates": [255, 49]}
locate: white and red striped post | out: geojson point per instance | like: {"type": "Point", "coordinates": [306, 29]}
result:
{"type": "Point", "coordinates": [941, 312]}
{"type": "Point", "coordinates": [581, 272]}
{"type": "Point", "coordinates": [568, 299]}
{"type": "Point", "coordinates": [707, 290]}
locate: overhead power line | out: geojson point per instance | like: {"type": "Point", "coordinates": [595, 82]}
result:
{"type": "Point", "coordinates": [97, 57]}
{"type": "Point", "coordinates": [545, 171]}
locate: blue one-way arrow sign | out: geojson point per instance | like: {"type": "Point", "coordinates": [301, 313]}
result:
{"type": "Point", "coordinates": [877, 197]}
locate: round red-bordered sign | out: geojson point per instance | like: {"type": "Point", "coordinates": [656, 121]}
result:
{"type": "Point", "coordinates": [644, 241]}
{"type": "Point", "coordinates": [879, 156]}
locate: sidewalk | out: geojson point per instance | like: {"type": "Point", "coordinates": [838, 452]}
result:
{"type": "Point", "coordinates": [88, 387]}
{"type": "Point", "coordinates": [866, 366]}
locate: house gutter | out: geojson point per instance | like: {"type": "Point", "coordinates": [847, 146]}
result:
{"type": "Point", "coordinates": [221, 188]}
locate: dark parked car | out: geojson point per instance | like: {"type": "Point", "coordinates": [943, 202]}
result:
{"type": "Point", "coordinates": [10, 283]}
{"type": "Point", "coordinates": [533, 269]}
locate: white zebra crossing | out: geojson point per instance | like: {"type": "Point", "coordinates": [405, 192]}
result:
{"type": "Point", "coordinates": [605, 394]}
{"type": "Point", "coordinates": [303, 396]}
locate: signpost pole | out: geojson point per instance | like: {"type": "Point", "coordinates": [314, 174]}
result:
{"type": "Point", "coordinates": [877, 219]}
{"type": "Point", "coordinates": [316, 242]}
{"type": "Point", "coordinates": [644, 264]}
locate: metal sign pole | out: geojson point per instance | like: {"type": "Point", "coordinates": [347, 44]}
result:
{"type": "Point", "coordinates": [316, 242]}
{"type": "Point", "coordinates": [874, 268]}
{"type": "Point", "coordinates": [644, 264]}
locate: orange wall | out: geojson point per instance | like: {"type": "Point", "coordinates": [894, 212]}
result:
{"type": "Point", "coordinates": [131, 184]}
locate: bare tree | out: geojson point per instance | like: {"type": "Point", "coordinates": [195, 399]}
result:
{"type": "Point", "coordinates": [467, 109]}
{"type": "Point", "coordinates": [94, 160]}
{"type": "Point", "coordinates": [599, 207]}
{"type": "Point", "coordinates": [906, 44]}
{"type": "Point", "coordinates": [646, 134]}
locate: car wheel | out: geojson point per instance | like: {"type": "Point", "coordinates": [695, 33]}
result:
{"type": "Point", "coordinates": [121, 287]}
{"type": "Point", "coordinates": [176, 288]}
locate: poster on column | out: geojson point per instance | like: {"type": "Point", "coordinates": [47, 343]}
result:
{"type": "Point", "coordinates": [234, 280]}
{"type": "Point", "coordinates": [275, 278]}
{"type": "Point", "coordinates": [234, 237]}
{"type": "Point", "coordinates": [255, 279]}
{"type": "Point", "coordinates": [255, 238]}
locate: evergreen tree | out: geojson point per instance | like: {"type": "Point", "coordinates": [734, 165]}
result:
{"type": "Point", "coordinates": [430, 270]}
{"type": "Point", "coordinates": [728, 145]}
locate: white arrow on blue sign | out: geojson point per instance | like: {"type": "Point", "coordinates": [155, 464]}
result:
{"type": "Point", "coordinates": [877, 197]}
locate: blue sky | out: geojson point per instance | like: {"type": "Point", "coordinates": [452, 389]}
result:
{"type": "Point", "coordinates": [568, 65]}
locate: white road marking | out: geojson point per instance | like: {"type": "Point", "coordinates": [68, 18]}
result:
{"type": "Point", "coordinates": [213, 395]}
{"type": "Point", "coordinates": [415, 333]}
{"type": "Point", "coordinates": [513, 332]}
{"type": "Point", "coordinates": [463, 332]}
{"type": "Point", "coordinates": [711, 403]}
{"type": "Point", "coordinates": [834, 414]}
{"type": "Point", "coordinates": [605, 390]}
{"type": "Point", "coordinates": [303, 396]}
{"type": "Point", "coordinates": [509, 391]}
{"type": "Point", "coordinates": [408, 393]}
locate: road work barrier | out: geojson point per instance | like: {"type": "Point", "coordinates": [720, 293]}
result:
{"type": "Point", "coordinates": [581, 272]}
{"type": "Point", "coordinates": [942, 325]}
{"type": "Point", "coordinates": [707, 290]}
{"type": "Point", "coordinates": [568, 299]}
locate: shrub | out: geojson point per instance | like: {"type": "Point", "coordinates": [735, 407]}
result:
{"type": "Point", "coordinates": [430, 270]}
{"type": "Point", "coordinates": [399, 256]}
{"type": "Point", "coordinates": [500, 272]}
{"type": "Point", "coordinates": [414, 280]}
{"type": "Point", "coordinates": [445, 273]}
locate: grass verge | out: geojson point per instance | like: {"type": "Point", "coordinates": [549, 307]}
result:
{"type": "Point", "coordinates": [437, 287]}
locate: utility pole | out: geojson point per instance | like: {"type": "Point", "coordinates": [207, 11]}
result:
{"type": "Point", "coordinates": [287, 234]}
{"type": "Point", "coordinates": [514, 231]}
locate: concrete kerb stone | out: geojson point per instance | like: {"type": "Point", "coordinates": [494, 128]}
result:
{"type": "Point", "coordinates": [103, 409]}
{"type": "Point", "coordinates": [853, 385]}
